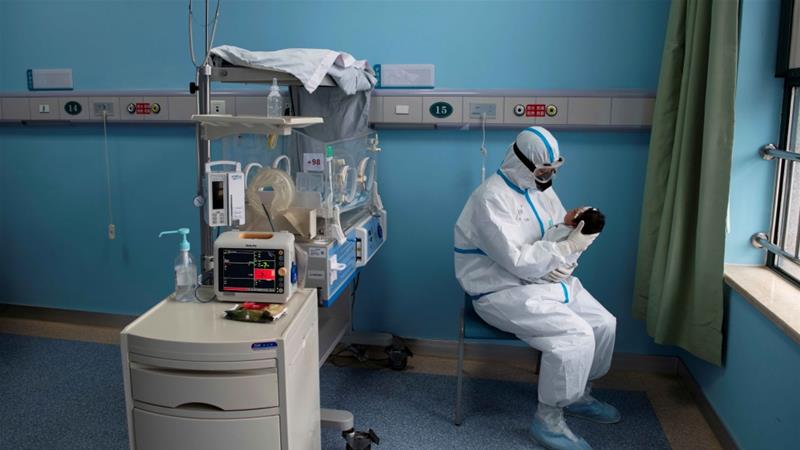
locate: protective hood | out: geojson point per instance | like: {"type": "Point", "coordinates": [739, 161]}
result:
{"type": "Point", "coordinates": [541, 150]}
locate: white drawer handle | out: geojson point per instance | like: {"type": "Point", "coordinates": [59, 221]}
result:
{"type": "Point", "coordinates": [195, 406]}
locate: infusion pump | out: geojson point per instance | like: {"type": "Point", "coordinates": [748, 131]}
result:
{"type": "Point", "coordinates": [255, 267]}
{"type": "Point", "coordinates": [224, 192]}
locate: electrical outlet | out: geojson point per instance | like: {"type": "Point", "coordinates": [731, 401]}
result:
{"type": "Point", "coordinates": [217, 106]}
{"type": "Point", "coordinates": [476, 110]}
{"type": "Point", "coordinates": [99, 107]}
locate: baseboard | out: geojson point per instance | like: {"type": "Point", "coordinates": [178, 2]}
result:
{"type": "Point", "coordinates": [714, 421]}
{"type": "Point", "coordinates": [67, 316]}
{"type": "Point", "coordinates": [522, 354]}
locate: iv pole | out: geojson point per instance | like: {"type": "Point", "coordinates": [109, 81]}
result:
{"type": "Point", "coordinates": [202, 87]}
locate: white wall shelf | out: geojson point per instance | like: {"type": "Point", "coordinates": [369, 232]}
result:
{"type": "Point", "coordinates": [216, 126]}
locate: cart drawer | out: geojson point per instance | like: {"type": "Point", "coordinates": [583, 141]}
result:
{"type": "Point", "coordinates": [163, 432]}
{"type": "Point", "coordinates": [227, 391]}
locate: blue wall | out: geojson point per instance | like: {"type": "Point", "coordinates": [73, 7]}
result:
{"type": "Point", "coordinates": [426, 176]}
{"type": "Point", "coordinates": [755, 393]}
{"type": "Point", "coordinates": [758, 119]}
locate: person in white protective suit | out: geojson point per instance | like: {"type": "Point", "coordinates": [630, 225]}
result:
{"type": "Point", "coordinates": [500, 259]}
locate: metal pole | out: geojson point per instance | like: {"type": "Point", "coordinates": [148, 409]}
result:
{"type": "Point", "coordinates": [770, 152]}
{"type": "Point", "coordinates": [203, 156]}
{"type": "Point", "coordinates": [204, 147]}
{"type": "Point", "coordinates": [761, 240]}
{"type": "Point", "coordinates": [205, 31]}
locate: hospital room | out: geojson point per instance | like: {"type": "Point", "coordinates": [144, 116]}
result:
{"type": "Point", "coordinates": [399, 224]}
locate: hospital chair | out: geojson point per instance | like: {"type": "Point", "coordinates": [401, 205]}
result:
{"type": "Point", "coordinates": [471, 326]}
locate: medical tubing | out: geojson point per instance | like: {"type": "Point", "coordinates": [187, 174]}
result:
{"type": "Point", "coordinates": [278, 160]}
{"type": "Point", "coordinates": [247, 170]}
{"type": "Point", "coordinates": [269, 218]}
{"type": "Point", "coordinates": [366, 173]}
{"type": "Point", "coordinates": [350, 189]}
{"type": "Point", "coordinates": [484, 152]}
{"type": "Point", "coordinates": [108, 169]}
{"type": "Point", "coordinates": [329, 163]}
{"type": "Point", "coordinates": [281, 184]}
{"type": "Point", "coordinates": [191, 37]}
{"type": "Point", "coordinates": [213, 34]}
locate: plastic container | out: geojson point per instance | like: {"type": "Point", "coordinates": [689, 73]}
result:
{"type": "Point", "coordinates": [274, 100]}
{"type": "Point", "coordinates": [185, 269]}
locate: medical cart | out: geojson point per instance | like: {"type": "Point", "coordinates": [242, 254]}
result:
{"type": "Point", "coordinates": [197, 381]}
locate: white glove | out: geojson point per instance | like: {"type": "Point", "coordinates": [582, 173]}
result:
{"type": "Point", "coordinates": [576, 242]}
{"type": "Point", "coordinates": [560, 273]}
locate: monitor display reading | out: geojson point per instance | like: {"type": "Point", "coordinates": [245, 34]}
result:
{"type": "Point", "coordinates": [218, 196]}
{"type": "Point", "coordinates": [251, 270]}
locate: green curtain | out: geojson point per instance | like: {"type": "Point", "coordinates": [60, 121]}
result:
{"type": "Point", "coordinates": [678, 288]}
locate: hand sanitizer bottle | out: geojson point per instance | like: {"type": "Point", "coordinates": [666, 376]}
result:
{"type": "Point", "coordinates": [185, 270]}
{"type": "Point", "coordinates": [274, 100]}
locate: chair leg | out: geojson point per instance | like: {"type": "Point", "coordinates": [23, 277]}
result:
{"type": "Point", "coordinates": [460, 370]}
{"type": "Point", "coordinates": [538, 363]}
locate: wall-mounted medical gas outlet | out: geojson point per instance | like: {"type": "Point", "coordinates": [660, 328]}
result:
{"type": "Point", "coordinates": [390, 108]}
{"type": "Point", "coordinates": [100, 108]}
{"type": "Point", "coordinates": [579, 110]}
{"type": "Point", "coordinates": [535, 110]}
{"type": "Point", "coordinates": [225, 198]}
{"type": "Point", "coordinates": [479, 110]}
{"type": "Point", "coordinates": [476, 109]}
{"type": "Point", "coordinates": [217, 106]}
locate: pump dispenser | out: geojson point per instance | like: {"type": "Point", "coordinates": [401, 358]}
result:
{"type": "Point", "coordinates": [274, 100]}
{"type": "Point", "coordinates": [185, 270]}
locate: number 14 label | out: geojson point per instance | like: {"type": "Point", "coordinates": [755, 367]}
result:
{"type": "Point", "coordinates": [313, 162]}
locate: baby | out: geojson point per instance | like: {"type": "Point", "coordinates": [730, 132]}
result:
{"type": "Point", "coordinates": [593, 223]}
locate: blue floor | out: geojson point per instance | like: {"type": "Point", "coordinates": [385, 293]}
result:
{"type": "Point", "coordinates": [57, 394]}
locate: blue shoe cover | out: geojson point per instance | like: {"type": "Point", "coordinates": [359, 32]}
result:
{"type": "Point", "coordinates": [594, 410]}
{"type": "Point", "coordinates": [555, 441]}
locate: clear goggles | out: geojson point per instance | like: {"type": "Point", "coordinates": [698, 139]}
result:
{"type": "Point", "coordinates": [544, 174]}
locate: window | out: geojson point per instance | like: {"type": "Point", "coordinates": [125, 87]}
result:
{"type": "Point", "coordinates": [786, 221]}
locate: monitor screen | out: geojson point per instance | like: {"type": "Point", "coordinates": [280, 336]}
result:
{"type": "Point", "coordinates": [250, 270]}
{"type": "Point", "coordinates": [218, 195]}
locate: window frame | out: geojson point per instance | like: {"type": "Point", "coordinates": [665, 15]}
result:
{"type": "Point", "coordinates": [780, 208]}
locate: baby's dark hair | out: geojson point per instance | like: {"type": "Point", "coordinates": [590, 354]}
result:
{"type": "Point", "coordinates": [593, 221]}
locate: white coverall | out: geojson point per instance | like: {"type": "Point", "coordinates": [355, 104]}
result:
{"type": "Point", "coordinates": [499, 253]}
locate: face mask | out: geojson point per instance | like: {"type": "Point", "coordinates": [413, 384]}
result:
{"type": "Point", "coordinates": [543, 186]}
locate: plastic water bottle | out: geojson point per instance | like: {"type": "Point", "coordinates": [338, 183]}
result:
{"type": "Point", "coordinates": [274, 100]}
{"type": "Point", "coordinates": [185, 270]}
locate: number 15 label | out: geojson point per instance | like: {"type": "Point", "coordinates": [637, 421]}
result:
{"type": "Point", "coordinates": [313, 162]}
